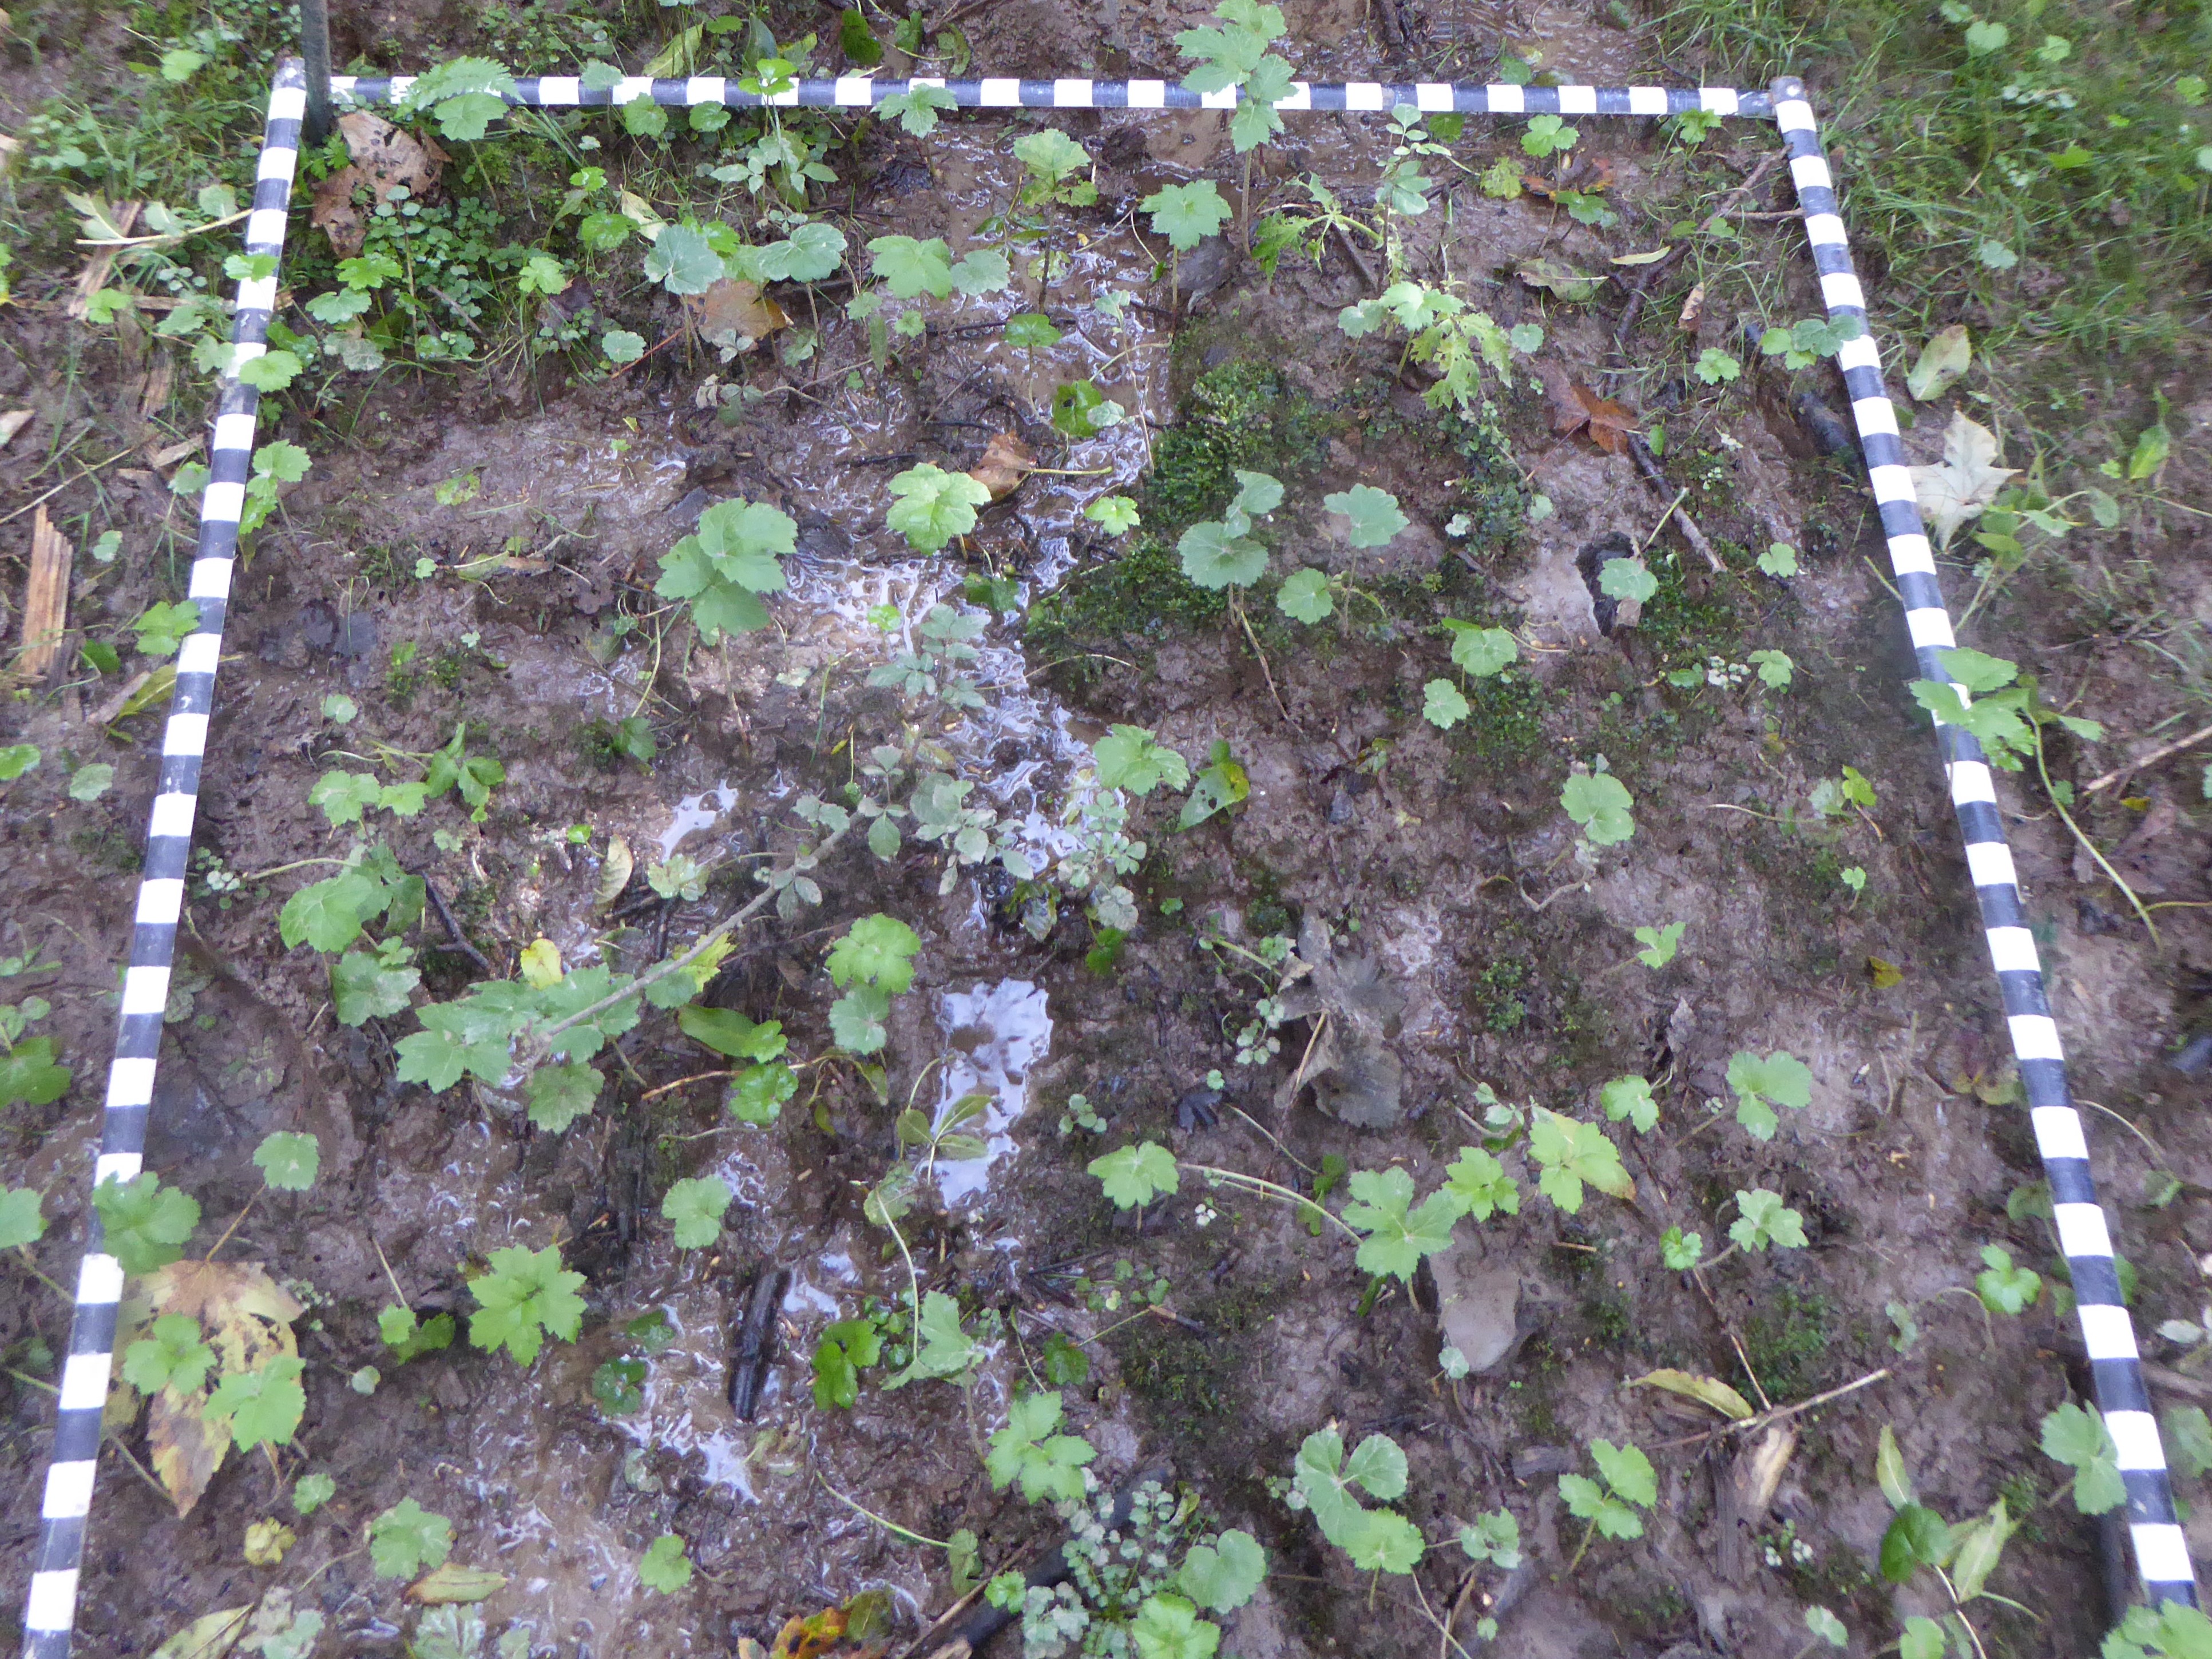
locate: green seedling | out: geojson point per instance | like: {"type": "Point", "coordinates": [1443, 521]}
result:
{"type": "Point", "coordinates": [1629, 1484]}
{"type": "Point", "coordinates": [524, 1297]}
{"type": "Point", "coordinates": [727, 563]}
{"type": "Point", "coordinates": [1760, 1084]}
{"type": "Point", "coordinates": [1030, 1452]}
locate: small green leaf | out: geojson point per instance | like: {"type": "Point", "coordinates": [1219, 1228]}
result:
{"type": "Point", "coordinates": [696, 1207]}
{"type": "Point", "coordinates": [1444, 704]}
{"type": "Point", "coordinates": [90, 782]}
{"type": "Point", "coordinates": [682, 261]}
{"type": "Point", "coordinates": [1600, 803]}
{"type": "Point", "coordinates": [934, 506]}
{"type": "Point", "coordinates": [1134, 1174]}
{"type": "Point", "coordinates": [1224, 1575]}
{"type": "Point", "coordinates": [143, 1224]}
{"type": "Point", "coordinates": [877, 950]}
{"type": "Point", "coordinates": [1626, 579]}
{"type": "Point", "coordinates": [1760, 1084]}
{"type": "Point", "coordinates": [2076, 1437]}
{"type": "Point", "coordinates": [1374, 518]}
{"type": "Point", "coordinates": [1129, 757]}
{"type": "Point", "coordinates": [1715, 367]}
{"type": "Point", "coordinates": [1659, 943]}
{"type": "Point", "coordinates": [173, 1356]}
{"type": "Point", "coordinates": [1763, 1219]}
{"type": "Point", "coordinates": [289, 1161]}
{"type": "Point", "coordinates": [1115, 514]}
{"type": "Point", "coordinates": [2003, 1287]}
{"type": "Point", "coordinates": [1304, 597]}
{"type": "Point", "coordinates": [264, 1407]}
{"type": "Point", "coordinates": [1630, 1098]}
{"type": "Point", "coordinates": [311, 1491]}
{"type": "Point", "coordinates": [1827, 1627]}
{"type": "Point", "coordinates": [1186, 213]}
{"type": "Point", "coordinates": [1481, 651]}
{"type": "Point", "coordinates": [908, 268]}
{"type": "Point", "coordinates": [527, 1294]}
{"type": "Point", "coordinates": [664, 1567]}
{"type": "Point", "coordinates": [1779, 560]}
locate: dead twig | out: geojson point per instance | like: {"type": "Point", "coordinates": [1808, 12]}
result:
{"type": "Point", "coordinates": [2163, 751]}
{"type": "Point", "coordinates": [1648, 465]}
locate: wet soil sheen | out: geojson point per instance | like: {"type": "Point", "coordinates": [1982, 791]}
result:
{"type": "Point", "coordinates": [1433, 870]}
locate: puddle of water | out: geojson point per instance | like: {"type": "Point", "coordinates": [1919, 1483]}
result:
{"type": "Point", "coordinates": [996, 1033]}
{"type": "Point", "coordinates": [700, 811]}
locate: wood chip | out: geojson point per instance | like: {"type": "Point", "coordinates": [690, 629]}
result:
{"type": "Point", "coordinates": [46, 601]}
{"type": "Point", "coordinates": [93, 277]}
{"type": "Point", "coordinates": [12, 422]}
{"type": "Point", "coordinates": [1692, 308]}
{"type": "Point", "coordinates": [154, 394]}
{"type": "Point", "coordinates": [169, 456]}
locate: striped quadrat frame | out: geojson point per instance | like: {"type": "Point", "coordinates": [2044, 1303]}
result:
{"type": "Point", "coordinates": [2108, 1333]}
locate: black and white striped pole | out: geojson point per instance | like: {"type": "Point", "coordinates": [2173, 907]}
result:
{"type": "Point", "coordinates": [2107, 1333]}
{"type": "Point", "coordinates": [49, 1610]}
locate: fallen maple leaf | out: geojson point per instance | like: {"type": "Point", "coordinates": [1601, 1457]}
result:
{"type": "Point", "coordinates": [1576, 408]}
{"type": "Point", "coordinates": [386, 158]}
{"type": "Point", "coordinates": [1006, 461]}
{"type": "Point", "coordinates": [1964, 483]}
{"type": "Point", "coordinates": [737, 309]}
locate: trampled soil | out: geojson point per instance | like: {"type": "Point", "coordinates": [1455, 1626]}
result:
{"type": "Point", "coordinates": [1440, 862]}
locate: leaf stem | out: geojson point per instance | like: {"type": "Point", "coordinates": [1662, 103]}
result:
{"type": "Point", "coordinates": [2067, 818]}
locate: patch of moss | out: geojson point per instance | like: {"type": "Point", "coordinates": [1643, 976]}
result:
{"type": "Point", "coordinates": [1690, 617]}
{"type": "Point", "coordinates": [1505, 723]}
{"type": "Point", "coordinates": [1791, 1342]}
{"type": "Point", "coordinates": [1243, 415]}
{"type": "Point", "coordinates": [1496, 996]}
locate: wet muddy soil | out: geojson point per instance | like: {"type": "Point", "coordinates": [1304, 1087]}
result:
{"type": "Point", "coordinates": [1467, 937]}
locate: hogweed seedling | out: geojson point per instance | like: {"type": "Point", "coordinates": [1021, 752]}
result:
{"type": "Point", "coordinates": [1600, 804]}
{"type": "Point", "coordinates": [525, 1295]}
{"type": "Point", "coordinates": [1031, 1452]}
{"type": "Point", "coordinates": [1235, 54]}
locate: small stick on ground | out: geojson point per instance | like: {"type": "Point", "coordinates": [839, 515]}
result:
{"type": "Point", "coordinates": [461, 940]}
{"type": "Point", "coordinates": [2162, 752]}
{"type": "Point", "coordinates": [1648, 465]}
{"type": "Point", "coordinates": [1264, 669]}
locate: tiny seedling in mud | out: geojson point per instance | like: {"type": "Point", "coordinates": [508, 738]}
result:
{"type": "Point", "coordinates": [1327, 1484]}
{"type": "Point", "coordinates": [1659, 943]}
{"type": "Point", "coordinates": [840, 1354]}
{"type": "Point", "coordinates": [1600, 803]}
{"type": "Point", "coordinates": [696, 1206]}
{"type": "Point", "coordinates": [525, 1295]}
{"type": "Point", "coordinates": [143, 1224]}
{"type": "Point", "coordinates": [1629, 1484]}
{"type": "Point", "coordinates": [1444, 335]}
{"type": "Point", "coordinates": [408, 1540]}
{"type": "Point", "coordinates": [723, 566]}
{"type": "Point", "coordinates": [871, 963]}
{"type": "Point", "coordinates": [2002, 1288]}
{"type": "Point", "coordinates": [1630, 1098]}
{"type": "Point", "coordinates": [1761, 1083]}
{"type": "Point", "coordinates": [1806, 342]}
{"type": "Point", "coordinates": [1962, 1558]}
{"type": "Point", "coordinates": [664, 1567]}
{"type": "Point", "coordinates": [1031, 1452]}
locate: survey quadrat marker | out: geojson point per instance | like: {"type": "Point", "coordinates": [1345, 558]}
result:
{"type": "Point", "coordinates": [2107, 1333]}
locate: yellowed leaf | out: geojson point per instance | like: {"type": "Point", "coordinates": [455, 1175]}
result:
{"type": "Point", "coordinates": [246, 1316]}
{"type": "Point", "coordinates": [1884, 974]}
{"type": "Point", "coordinates": [541, 963]}
{"type": "Point", "coordinates": [614, 874]}
{"type": "Point", "coordinates": [209, 1635]}
{"type": "Point", "coordinates": [455, 1582]}
{"type": "Point", "coordinates": [1706, 1390]}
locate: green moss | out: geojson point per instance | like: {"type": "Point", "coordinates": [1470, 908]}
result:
{"type": "Point", "coordinates": [1791, 1342]}
{"type": "Point", "coordinates": [1690, 617]}
{"type": "Point", "coordinates": [1496, 996]}
{"type": "Point", "coordinates": [1241, 415]}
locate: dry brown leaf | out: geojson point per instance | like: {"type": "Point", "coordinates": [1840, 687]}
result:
{"type": "Point", "coordinates": [1576, 408]}
{"type": "Point", "coordinates": [615, 874]}
{"type": "Point", "coordinates": [246, 1316]}
{"type": "Point", "coordinates": [169, 454]}
{"type": "Point", "coordinates": [1006, 461]}
{"type": "Point", "coordinates": [1692, 308]}
{"type": "Point", "coordinates": [12, 422]}
{"type": "Point", "coordinates": [46, 599]}
{"type": "Point", "coordinates": [809, 1638]}
{"type": "Point", "coordinates": [737, 308]}
{"type": "Point", "coordinates": [384, 158]}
